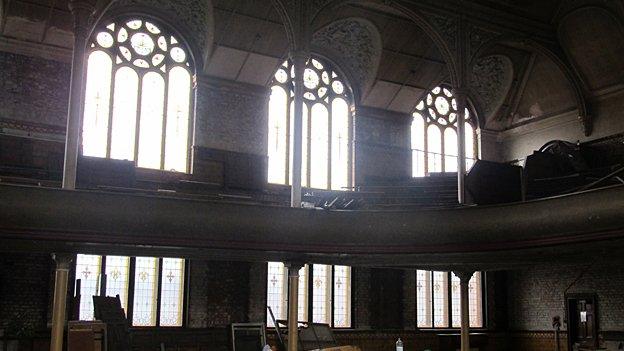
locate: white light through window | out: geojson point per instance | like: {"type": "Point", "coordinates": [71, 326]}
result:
{"type": "Point", "coordinates": [435, 121]}
{"type": "Point", "coordinates": [172, 292]}
{"type": "Point", "coordinates": [148, 279]}
{"type": "Point", "coordinates": [145, 291]}
{"type": "Point", "coordinates": [152, 73]}
{"type": "Point", "coordinates": [326, 124]}
{"type": "Point", "coordinates": [433, 307]}
{"type": "Point", "coordinates": [320, 298]}
{"type": "Point", "coordinates": [88, 271]}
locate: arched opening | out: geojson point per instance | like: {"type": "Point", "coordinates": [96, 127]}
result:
{"type": "Point", "coordinates": [327, 127]}
{"type": "Point", "coordinates": [434, 134]}
{"type": "Point", "coordinates": [139, 95]}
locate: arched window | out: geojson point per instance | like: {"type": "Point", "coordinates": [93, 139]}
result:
{"type": "Point", "coordinates": [138, 98]}
{"type": "Point", "coordinates": [327, 131]}
{"type": "Point", "coordinates": [434, 134]}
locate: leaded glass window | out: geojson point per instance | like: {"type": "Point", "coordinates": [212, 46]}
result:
{"type": "Point", "coordinates": [438, 300]}
{"type": "Point", "coordinates": [138, 96]}
{"type": "Point", "coordinates": [327, 131]}
{"type": "Point", "coordinates": [324, 293]}
{"type": "Point", "coordinates": [434, 134]}
{"type": "Point", "coordinates": [88, 271]}
{"type": "Point", "coordinates": [145, 291]}
{"type": "Point", "coordinates": [152, 295]}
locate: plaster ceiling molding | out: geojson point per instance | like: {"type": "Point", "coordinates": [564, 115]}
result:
{"type": "Point", "coordinates": [491, 78]}
{"type": "Point", "coordinates": [594, 40]}
{"type": "Point", "coordinates": [193, 16]}
{"type": "Point", "coordinates": [479, 36]}
{"type": "Point", "coordinates": [446, 27]}
{"type": "Point", "coordinates": [357, 44]}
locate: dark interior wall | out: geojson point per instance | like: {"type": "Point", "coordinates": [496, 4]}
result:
{"type": "Point", "coordinates": [536, 295]}
{"type": "Point", "coordinates": [25, 292]}
{"type": "Point", "coordinates": [382, 145]}
{"type": "Point", "coordinates": [33, 90]}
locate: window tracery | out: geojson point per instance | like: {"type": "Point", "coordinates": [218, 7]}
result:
{"type": "Point", "coordinates": [327, 130]}
{"type": "Point", "coordinates": [138, 96]}
{"type": "Point", "coordinates": [434, 134]}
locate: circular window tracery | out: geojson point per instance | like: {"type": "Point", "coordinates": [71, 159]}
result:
{"type": "Point", "coordinates": [141, 44]}
{"type": "Point", "coordinates": [327, 128]}
{"type": "Point", "coordinates": [440, 107]}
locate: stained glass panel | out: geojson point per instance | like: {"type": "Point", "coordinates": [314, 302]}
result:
{"type": "Point", "coordinates": [438, 111]}
{"type": "Point", "coordinates": [342, 296]}
{"type": "Point", "coordinates": [88, 268]}
{"type": "Point", "coordinates": [321, 294]}
{"type": "Point", "coordinates": [145, 292]}
{"type": "Point", "coordinates": [97, 105]}
{"type": "Point", "coordinates": [340, 145]}
{"type": "Point", "coordinates": [153, 62]}
{"type": "Point", "coordinates": [172, 292]}
{"type": "Point", "coordinates": [150, 133]}
{"type": "Point", "coordinates": [455, 301]}
{"type": "Point", "coordinates": [176, 142]}
{"type": "Point", "coordinates": [277, 291]}
{"type": "Point", "coordinates": [450, 150]}
{"type": "Point", "coordinates": [302, 302]}
{"type": "Point", "coordinates": [277, 135]}
{"type": "Point", "coordinates": [440, 300]}
{"type": "Point", "coordinates": [117, 268]}
{"type": "Point", "coordinates": [424, 299]}
{"type": "Point", "coordinates": [475, 293]}
{"type": "Point", "coordinates": [325, 112]}
{"type": "Point", "coordinates": [319, 147]}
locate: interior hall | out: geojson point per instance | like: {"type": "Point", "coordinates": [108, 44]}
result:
{"type": "Point", "coordinates": [311, 175]}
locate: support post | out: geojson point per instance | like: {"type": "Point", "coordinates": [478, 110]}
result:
{"type": "Point", "coordinates": [299, 60]}
{"type": "Point", "coordinates": [293, 305]}
{"type": "Point", "coordinates": [461, 98]}
{"type": "Point", "coordinates": [464, 280]}
{"type": "Point", "coordinates": [61, 276]}
{"type": "Point", "coordinates": [81, 11]}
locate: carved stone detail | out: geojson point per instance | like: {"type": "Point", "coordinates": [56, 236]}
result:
{"type": "Point", "coordinates": [357, 44]}
{"type": "Point", "coordinates": [447, 27]}
{"type": "Point", "coordinates": [479, 36]}
{"type": "Point", "coordinates": [490, 80]}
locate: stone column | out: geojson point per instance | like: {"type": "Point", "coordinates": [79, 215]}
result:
{"type": "Point", "coordinates": [81, 11]}
{"type": "Point", "coordinates": [293, 305]}
{"type": "Point", "coordinates": [63, 262]}
{"type": "Point", "coordinates": [299, 60]}
{"type": "Point", "coordinates": [461, 98]}
{"type": "Point", "coordinates": [464, 279]}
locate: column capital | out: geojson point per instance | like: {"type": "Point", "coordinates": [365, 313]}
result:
{"type": "Point", "coordinates": [464, 276]}
{"type": "Point", "coordinates": [63, 260]}
{"type": "Point", "coordinates": [82, 10]}
{"type": "Point", "coordinates": [293, 268]}
{"type": "Point", "coordinates": [299, 55]}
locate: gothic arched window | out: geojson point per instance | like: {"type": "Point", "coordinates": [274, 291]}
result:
{"type": "Point", "coordinates": [327, 131]}
{"type": "Point", "coordinates": [434, 134]}
{"type": "Point", "coordinates": [138, 98]}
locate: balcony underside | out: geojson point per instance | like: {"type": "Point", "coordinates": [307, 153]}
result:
{"type": "Point", "coordinates": [492, 237]}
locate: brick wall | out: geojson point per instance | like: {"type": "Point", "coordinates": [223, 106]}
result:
{"type": "Point", "coordinates": [33, 90]}
{"type": "Point", "coordinates": [536, 295]}
{"type": "Point", "coordinates": [219, 293]}
{"type": "Point", "coordinates": [382, 145]}
{"type": "Point", "coordinates": [25, 292]}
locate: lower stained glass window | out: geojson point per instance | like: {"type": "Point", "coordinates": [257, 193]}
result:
{"type": "Point", "coordinates": [155, 289]}
{"type": "Point", "coordinates": [327, 296]}
{"type": "Point", "coordinates": [434, 309]}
